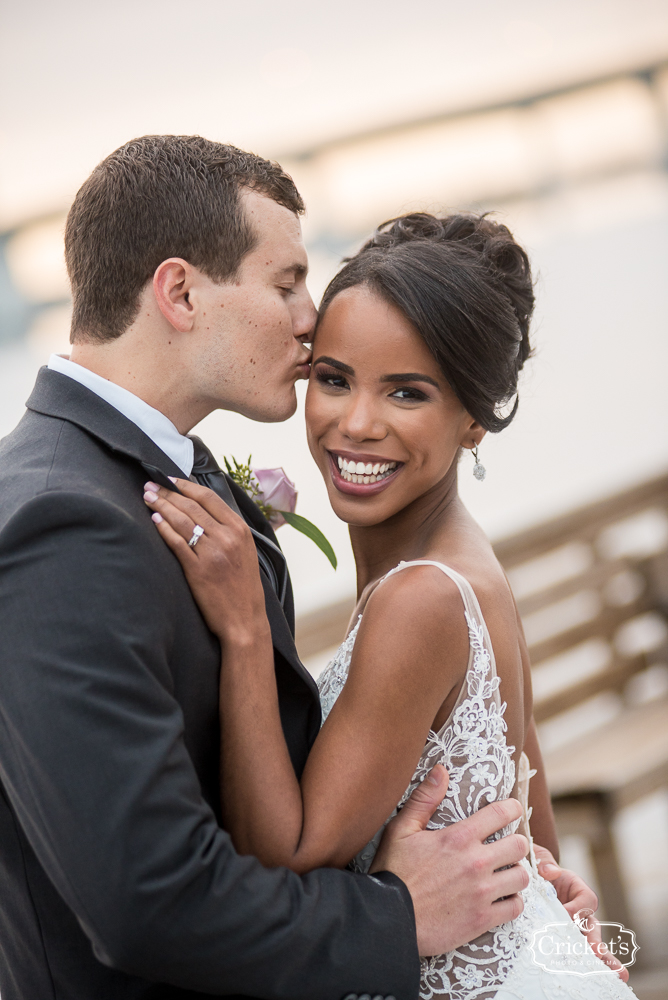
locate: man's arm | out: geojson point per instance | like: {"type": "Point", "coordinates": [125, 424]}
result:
{"type": "Point", "coordinates": [93, 761]}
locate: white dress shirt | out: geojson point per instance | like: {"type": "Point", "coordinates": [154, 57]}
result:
{"type": "Point", "coordinates": [152, 422]}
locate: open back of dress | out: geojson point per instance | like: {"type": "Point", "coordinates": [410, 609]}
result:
{"type": "Point", "coordinates": [472, 746]}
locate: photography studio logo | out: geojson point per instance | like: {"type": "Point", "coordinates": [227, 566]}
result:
{"type": "Point", "coordinates": [556, 949]}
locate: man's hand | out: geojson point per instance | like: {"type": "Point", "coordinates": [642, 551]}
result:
{"type": "Point", "coordinates": [575, 896]}
{"type": "Point", "coordinates": [453, 877]}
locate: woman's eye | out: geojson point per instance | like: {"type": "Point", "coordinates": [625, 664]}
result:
{"type": "Point", "coordinates": [334, 380]}
{"type": "Point", "coordinates": [411, 394]}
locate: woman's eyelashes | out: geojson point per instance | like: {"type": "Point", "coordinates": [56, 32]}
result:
{"type": "Point", "coordinates": [410, 394]}
{"type": "Point", "coordinates": [334, 380]}
{"type": "Point", "coordinates": [402, 393]}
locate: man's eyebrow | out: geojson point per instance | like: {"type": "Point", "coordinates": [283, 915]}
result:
{"type": "Point", "coordinates": [299, 270]}
{"type": "Point", "coordinates": [323, 359]}
{"type": "Point", "coordinates": [410, 377]}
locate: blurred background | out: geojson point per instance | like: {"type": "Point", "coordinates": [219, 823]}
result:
{"type": "Point", "coordinates": [554, 115]}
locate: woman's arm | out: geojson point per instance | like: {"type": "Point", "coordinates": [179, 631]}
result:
{"type": "Point", "coordinates": [411, 650]}
{"type": "Point", "coordinates": [543, 828]}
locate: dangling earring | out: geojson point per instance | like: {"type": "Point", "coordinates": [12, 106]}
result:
{"type": "Point", "coordinates": [479, 471]}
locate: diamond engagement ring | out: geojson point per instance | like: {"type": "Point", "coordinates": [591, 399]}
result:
{"type": "Point", "coordinates": [197, 534]}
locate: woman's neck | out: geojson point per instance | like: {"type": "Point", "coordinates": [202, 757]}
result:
{"type": "Point", "coordinates": [415, 532]}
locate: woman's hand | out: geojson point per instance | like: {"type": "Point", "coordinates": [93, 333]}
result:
{"type": "Point", "coordinates": [577, 898]}
{"type": "Point", "coordinates": [222, 567]}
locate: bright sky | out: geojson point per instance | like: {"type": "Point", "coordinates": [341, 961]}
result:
{"type": "Point", "coordinates": [80, 78]}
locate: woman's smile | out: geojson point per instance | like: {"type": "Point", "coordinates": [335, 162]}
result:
{"type": "Point", "coordinates": [362, 474]}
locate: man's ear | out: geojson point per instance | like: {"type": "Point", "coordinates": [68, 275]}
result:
{"type": "Point", "coordinates": [172, 284]}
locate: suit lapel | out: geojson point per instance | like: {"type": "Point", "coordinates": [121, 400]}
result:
{"type": "Point", "coordinates": [261, 526]}
{"type": "Point", "coordinates": [282, 620]}
{"type": "Point", "coordinates": [57, 395]}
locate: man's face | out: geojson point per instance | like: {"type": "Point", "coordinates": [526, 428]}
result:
{"type": "Point", "coordinates": [251, 332]}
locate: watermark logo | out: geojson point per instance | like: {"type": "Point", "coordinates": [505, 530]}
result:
{"type": "Point", "coordinates": [555, 948]}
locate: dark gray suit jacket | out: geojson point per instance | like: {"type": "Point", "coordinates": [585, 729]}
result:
{"type": "Point", "coordinates": [116, 878]}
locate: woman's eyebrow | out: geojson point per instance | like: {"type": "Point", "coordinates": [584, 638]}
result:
{"type": "Point", "coordinates": [323, 359]}
{"type": "Point", "coordinates": [410, 377]}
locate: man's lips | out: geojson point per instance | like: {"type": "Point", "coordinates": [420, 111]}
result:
{"type": "Point", "coordinates": [343, 479]}
{"type": "Point", "coordinates": [304, 368]}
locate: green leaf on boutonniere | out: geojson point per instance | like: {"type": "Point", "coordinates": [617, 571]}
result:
{"type": "Point", "coordinates": [309, 529]}
{"type": "Point", "coordinates": [245, 476]}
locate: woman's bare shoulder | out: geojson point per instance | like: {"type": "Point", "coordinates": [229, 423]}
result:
{"type": "Point", "coordinates": [417, 613]}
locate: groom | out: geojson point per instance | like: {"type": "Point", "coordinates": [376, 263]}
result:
{"type": "Point", "coordinates": [117, 879]}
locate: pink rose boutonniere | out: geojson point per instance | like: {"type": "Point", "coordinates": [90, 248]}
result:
{"type": "Point", "coordinates": [277, 493]}
{"type": "Point", "coordinates": [276, 497]}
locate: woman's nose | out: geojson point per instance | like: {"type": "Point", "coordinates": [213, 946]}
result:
{"type": "Point", "coordinates": [361, 420]}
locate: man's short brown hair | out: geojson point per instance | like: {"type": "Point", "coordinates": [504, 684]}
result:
{"type": "Point", "coordinates": [157, 197]}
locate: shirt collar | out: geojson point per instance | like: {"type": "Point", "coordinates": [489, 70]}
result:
{"type": "Point", "coordinates": [152, 422]}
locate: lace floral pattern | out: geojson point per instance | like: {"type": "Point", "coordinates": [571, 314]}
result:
{"type": "Point", "coordinates": [335, 674]}
{"type": "Point", "coordinates": [472, 745]}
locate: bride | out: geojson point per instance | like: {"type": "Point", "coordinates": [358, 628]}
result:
{"type": "Point", "coordinates": [419, 344]}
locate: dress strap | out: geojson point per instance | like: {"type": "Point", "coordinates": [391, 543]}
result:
{"type": "Point", "coordinates": [467, 592]}
{"type": "Point", "coordinates": [473, 612]}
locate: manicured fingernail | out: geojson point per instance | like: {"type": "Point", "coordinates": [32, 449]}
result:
{"type": "Point", "coordinates": [150, 497]}
{"type": "Point", "coordinates": [151, 486]}
{"type": "Point", "coordinates": [550, 869]}
{"type": "Point", "coordinates": [432, 779]}
{"type": "Point", "coordinates": [172, 478]}
{"type": "Point", "coordinates": [156, 517]}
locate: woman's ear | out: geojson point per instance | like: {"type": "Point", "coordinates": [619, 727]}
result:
{"type": "Point", "coordinates": [172, 284]}
{"type": "Point", "coordinates": [473, 434]}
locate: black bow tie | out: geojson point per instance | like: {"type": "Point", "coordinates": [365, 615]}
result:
{"type": "Point", "coordinates": [207, 472]}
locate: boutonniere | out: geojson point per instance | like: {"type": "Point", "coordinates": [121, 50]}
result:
{"type": "Point", "coordinates": [276, 497]}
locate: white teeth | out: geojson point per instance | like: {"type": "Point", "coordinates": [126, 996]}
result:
{"type": "Point", "coordinates": [364, 473]}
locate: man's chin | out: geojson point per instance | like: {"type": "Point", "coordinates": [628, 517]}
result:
{"type": "Point", "coordinates": [275, 412]}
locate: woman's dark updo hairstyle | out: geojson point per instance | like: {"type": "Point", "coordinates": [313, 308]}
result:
{"type": "Point", "coordinates": [466, 286]}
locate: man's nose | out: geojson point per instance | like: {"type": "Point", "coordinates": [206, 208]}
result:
{"type": "Point", "coordinates": [306, 317]}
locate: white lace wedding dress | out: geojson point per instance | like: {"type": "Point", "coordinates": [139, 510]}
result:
{"type": "Point", "coordinates": [472, 745]}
